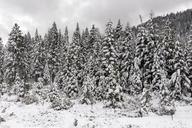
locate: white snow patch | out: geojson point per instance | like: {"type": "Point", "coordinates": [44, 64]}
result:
{"type": "Point", "coordinates": [18, 115]}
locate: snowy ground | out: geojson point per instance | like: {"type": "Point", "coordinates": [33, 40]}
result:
{"type": "Point", "coordinates": [18, 115]}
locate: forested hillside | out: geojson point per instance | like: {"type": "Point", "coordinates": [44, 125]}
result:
{"type": "Point", "coordinates": [147, 62]}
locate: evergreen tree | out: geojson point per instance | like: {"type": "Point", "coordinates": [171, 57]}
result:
{"type": "Point", "coordinates": [135, 78]}
{"type": "Point", "coordinates": [189, 57]}
{"type": "Point", "coordinates": [125, 57]}
{"type": "Point", "coordinates": [38, 57]}
{"type": "Point", "coordinates": [39, 60]}
{"type": "Point", "coordinates": [118, 31]}
{"type": "Point", "coordinates": [73, 66]}
{"type": "Point", "coordinates": [19, 87]}
{"type": "Point", "coordinates": [113, 91]}
{"type": "Point", "coordinates": [1, 60]}
{"type": "Point", "coordinates": [88, 87]}
{"type": "Point", "coordinates": [28, 53]}
{"type": "Point", "coordinates": [169, 46]}
{"type": "Point", "coordinates": [95, 60]}
{"type": "Point", "coordinates": [180, 81]}
{"type": "Point", "coordinates": [141, 53]}
{"type": "Point", "coordinates": [15, 61]}
{"type": "Point", "coordinates": [53, 51]}
{"type": "Point", "coordinates": [86, 47]}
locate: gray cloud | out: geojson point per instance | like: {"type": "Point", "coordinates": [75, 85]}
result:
{"type": "Point", "coordinates": [32, 14]}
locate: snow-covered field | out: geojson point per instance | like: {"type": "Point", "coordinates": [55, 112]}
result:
{"type": "Point", "coordinates": [18, 115]}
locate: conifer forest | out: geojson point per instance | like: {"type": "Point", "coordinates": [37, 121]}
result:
{"type": "Point", "coordinates": [133, 72]}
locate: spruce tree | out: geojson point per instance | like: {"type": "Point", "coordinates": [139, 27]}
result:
{"type": "Point", "coordinates": [39, 60]}
{"type": "Point", "coordinates": [125, 57]}
{"type": "Point", "coordinates": [1, 60]}
{"type": "Point", "coordinates": [189, 57]}
{"type": "Point", "coordinates": [112, 88]}
{"type": "Point", "coordinates": [53, 51]}
{"type": "Point", "coordinates": [141, 54]}
{"type": "Point", "coordinates": [179, 80]}
{"type": "Point", "coordinates": [15, 61]}
{"type": "Point", "coordinates": [95, 55]}
{"type": "Point", "coordinates": [73, 66]}
{"type": "Point", "coordinates": [169, 46]}
{"type": "Point", "coordinates": [28, 53]}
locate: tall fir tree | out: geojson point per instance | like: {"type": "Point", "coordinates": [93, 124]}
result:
{"type": "Point", "coordinates": [15, 61]}
{"type": "Point", "coordinates": [53, 51]}
{"type": "Point", "coordinates": [189, 57]}
{"type": "Point", "coordinates": [169, 48]}
{"type": "Point", "coordinates": [39, 58]}
{"type": "Point", "coordinates": [1, 60]}
{"type": "Point", "coordinates": [180, 83]}
{"type": "Point", "coordinates": [125, 57]}
{"type": "Point", "coordinates": [29, 53]}
{"type": "Point", "coordinates": [73, 64]}
{"type": "Point", "coordinates": [112, 88]}
{"type": "Point", "coordinates": [141, 53]}
{"type": "Point", "coordinates": [95, 42]}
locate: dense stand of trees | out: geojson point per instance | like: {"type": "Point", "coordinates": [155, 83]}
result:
{"type": "Point", "coordinates": [135, 61]}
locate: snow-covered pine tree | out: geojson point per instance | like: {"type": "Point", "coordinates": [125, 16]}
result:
{"type": "Point", "coordinates": [118, 32]}
{"type": "Point", "coordinates": [66, 37]}
{"type": "Point", "coordinates": [88, 87]}
{"type": "Point", "coordinates": [53, 51]}
{"type": "Point", "coordinates": [160, 81]}
{"type": "Point", "coordinates": [95, 54]}
{"type": "Point", "coordinates": [88, 83]}
{"type": "Point", "coordinates": [141, 54]}
{"type": "Point", "coordinates": [189, 57]}
{"type": "Point", "coordinates": [162, 84]}
{"type": "Point", "coordinates": [180, 83]}
{"type": "Point", "coordinates": [15, 61]}
{"type": "Point", "coordinates": [148, 41]}
{"type": "Point", "coordinates": [125, 57]}
{"type": "Point", "coordinates": [84, 52]}
{"type": "Point", "coordinates": [62, 77]}
{"type": "Point", "coordinates": [46, 75]}
{"type": "Point", "coordinates": [38, 57]}
{"type": "Point", "coordinates": [28, 53]}
{"type": "Point", "coordinates": [110, 81]}
{"type": "Point", "coordinates": [73, 66]}
{"type": "Point", "coordinates": [61, 50]}
{"type": "Point", "coordinates": [169, 46]}
{"type": "Point", "coordinates": [83, 56]}
{"type": "Point", "coordinates": [135, 78]}
{"type": "Point", "coordinates": [151, 50]}
{"type": "Point", "coordinates": [18, 87]}
{"type": "Point", "coordinates": [1, 60]}
{"type": "Point", "coordinates": [72, 89]}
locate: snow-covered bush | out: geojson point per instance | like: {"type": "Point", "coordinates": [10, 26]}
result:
{"type": "Point", "coordinates": [131, 103]}
{"type": "Point", "coordinates": [30, 98]}
{"type": "Point", "coordinates": [88, 87]}
{"type": "Point", "coordinates": [58, 101]}
{"type": "Point", "coordinates": [72, 90]}
{"type": "Point", "coordinates": [39, 84]}
{"type": "Point", "coordinates": [3, 88]}
{"type": "Point", "coordinates": [99, 92]}
{"type": "Point", "coordinates": [18, 87]}
{"type": "Point", "coordinates": [167, 110]}
{"type": "Point", "coordinates": [61, 103]}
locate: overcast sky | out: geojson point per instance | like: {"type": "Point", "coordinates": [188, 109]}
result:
{"type": "Point", "coordinates": [32, 14]}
